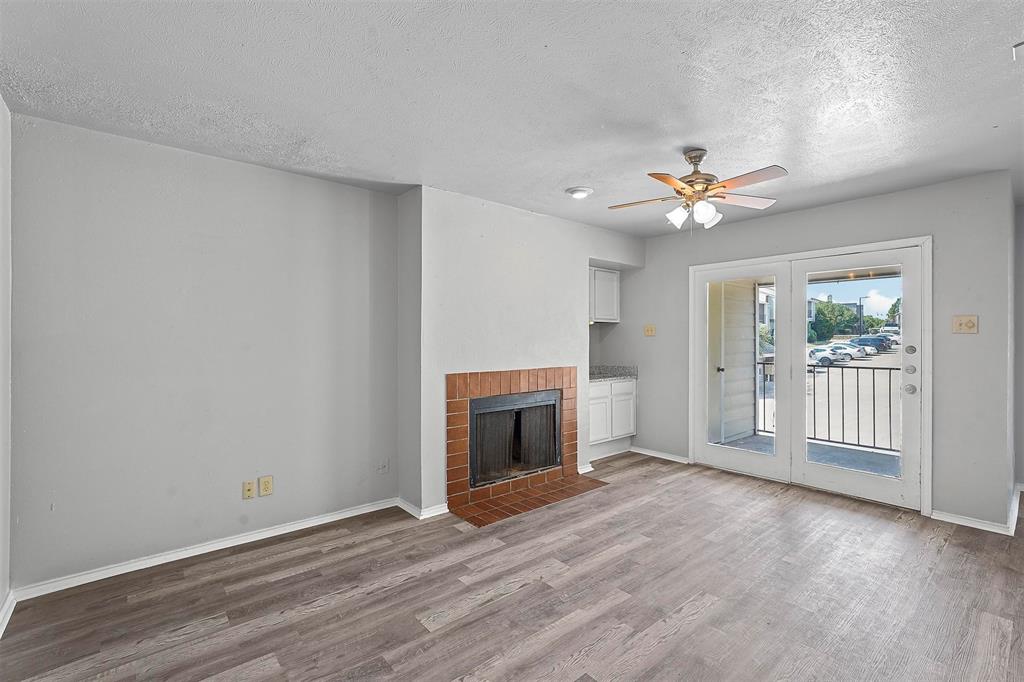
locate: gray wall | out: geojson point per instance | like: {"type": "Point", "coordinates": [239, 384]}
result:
{"type": "Point", "coordinates": [972, 452]}
{"type": "Point", "coordinates": [5, 351]}
{"type": "Point", "coordinates": [182, 323]}
{"type": "Point", "coordinates": [1019, 354]}
{"type": "Point", "coordinates": [410, 299]}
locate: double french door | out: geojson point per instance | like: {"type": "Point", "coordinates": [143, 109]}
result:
{"type": "Point", "coordinates": [809, 370]}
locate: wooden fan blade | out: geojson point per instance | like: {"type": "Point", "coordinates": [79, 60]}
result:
{"type": "Point", "coordinates": [744, 200]}
{"type": "Point", "coordinates": [753, 177]}
{"type": "Point", "coordinates": [646, 201]}
{"type": "Point", "coordinates": [672, 181]}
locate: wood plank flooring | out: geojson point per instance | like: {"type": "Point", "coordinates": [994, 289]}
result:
{"type": "Point", "coordinates": [669, 572]}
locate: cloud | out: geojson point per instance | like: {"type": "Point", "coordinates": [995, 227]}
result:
{"type": "Point", "coordinates": [876, 304]}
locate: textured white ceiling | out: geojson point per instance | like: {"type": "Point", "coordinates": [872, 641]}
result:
{"type": "Point", "coordinates": [515, 101]}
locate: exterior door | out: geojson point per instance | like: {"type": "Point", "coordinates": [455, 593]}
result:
{"type": "Point", "coordinates": [814, 369]}
{"type": "Point", "coordinates": [735, 364]}
{"type": "Point", "coordinates": [856, 419]}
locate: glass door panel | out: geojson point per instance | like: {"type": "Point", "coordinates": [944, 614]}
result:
{"type": "Point", "coordinates": [861, 389]}
{"type": "Point", "coordinates": [736, 359]}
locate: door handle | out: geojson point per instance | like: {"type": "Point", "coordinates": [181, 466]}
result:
{"type": "Point", "coordinates": [719, 369]}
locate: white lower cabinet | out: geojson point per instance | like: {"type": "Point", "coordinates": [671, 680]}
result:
{"type": "Point", "coordinates": [612, 409]}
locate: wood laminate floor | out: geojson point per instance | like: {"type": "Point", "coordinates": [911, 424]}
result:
{"type": "Point", "coordinates": [670, 572]}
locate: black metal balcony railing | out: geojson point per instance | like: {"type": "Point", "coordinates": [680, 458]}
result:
{"type": "Point", "coordinates": [764, 392]}
{"type": "Point", "coordinates": [845, 405]}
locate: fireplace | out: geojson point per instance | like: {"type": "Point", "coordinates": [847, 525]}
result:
{"type": "Point", "coordinates": [513, 435]}
{"type": "Point", "coordinates": [542, 403]}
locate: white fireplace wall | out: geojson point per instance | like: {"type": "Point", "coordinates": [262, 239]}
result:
{"type": "Point", "coordinates": [502, 288]}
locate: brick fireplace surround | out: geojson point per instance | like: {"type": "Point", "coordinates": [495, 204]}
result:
{"type": "Point", "coordinates": [493, 502]}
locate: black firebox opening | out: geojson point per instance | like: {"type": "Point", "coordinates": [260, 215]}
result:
{"type": "Point", "coordinates": [513, 435]}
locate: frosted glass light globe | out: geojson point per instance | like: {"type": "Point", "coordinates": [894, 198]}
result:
{"type": "Point", "coordinates": [703, 211]}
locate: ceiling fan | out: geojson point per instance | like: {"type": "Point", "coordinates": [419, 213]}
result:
{"type": "Point", "coordinates": [698, 192]}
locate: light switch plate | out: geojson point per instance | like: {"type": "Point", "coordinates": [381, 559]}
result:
{"type": "Point", "coordinates": [266, 485]}
{"type": "Point", "coordinates": [649, 330]}
{"type": "Point", "coordinates": [248, 490]}
{"type": "Point", "coordinates": [965, 324]}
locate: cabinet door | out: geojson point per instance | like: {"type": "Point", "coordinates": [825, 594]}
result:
{"type": "Point", "coordinates": [623, 415]}
{"type": "Point", "coordinates": [600, 419]}
{"type": "Point", "coordinates": [606, 295]}
{"type": "Point", "coordinates": [591, 294]}
{"type": "Point", "coordinates": [623, 408]}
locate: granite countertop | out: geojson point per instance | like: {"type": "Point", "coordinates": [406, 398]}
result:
{"type": "Point", "coordinates": [610, 372]}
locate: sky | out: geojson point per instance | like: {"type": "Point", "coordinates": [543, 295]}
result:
{"type": "Point", "coordinates": [881, 293]}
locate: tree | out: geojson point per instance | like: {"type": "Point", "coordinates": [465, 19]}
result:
{"type": "Point", "coordinates": [830, 318]}
{"type": "Point", "coordinates": [894, 311]}
{"type": "Point", "coordinates": [812, 336]}
{"type": "Point", "coordinates": [872, 322]}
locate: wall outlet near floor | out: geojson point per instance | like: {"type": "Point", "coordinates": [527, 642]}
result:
{"type": "Point", "coordinates": [649, 330]}
{"type": "Point", "coordinates": [266, 485]}
{"type": "Point", "coordinates": [248, 490]}
{"type": "Point", "coordinates": [965, 324]}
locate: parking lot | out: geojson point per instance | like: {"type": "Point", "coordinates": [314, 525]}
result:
{"type": "Point", "coordinates": [889, 358]}
{"type": "Point", "coordinates": [851, 403]}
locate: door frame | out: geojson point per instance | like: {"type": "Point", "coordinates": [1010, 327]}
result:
{"type": "Point", "coordinates": [925, 242]}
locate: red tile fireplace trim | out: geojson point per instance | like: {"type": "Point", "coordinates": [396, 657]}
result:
{"type": "Point", "coordinates": [465, 385]}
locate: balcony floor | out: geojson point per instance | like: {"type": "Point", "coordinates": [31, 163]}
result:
{"type": "Point", "coordinates": [859, 459]}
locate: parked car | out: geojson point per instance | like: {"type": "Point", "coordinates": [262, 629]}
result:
{"type": "Point", "coordinates": [877, 342]}
{"type": "Point", "coordinates": [842, 354]}
{"type": "Point", "coordinates": [847, 351]}
{"type": "Point", "coordinates": [821, 356]}
{"type": "Point", "coordinates": [893, 338]}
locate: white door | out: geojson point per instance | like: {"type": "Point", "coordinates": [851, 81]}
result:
{"type": "Point", "coordinates": [856, 421]}
{"type": "Point", "coordinates": [735, 362]}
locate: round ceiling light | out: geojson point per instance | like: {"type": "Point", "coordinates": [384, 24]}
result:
{"type": "Point", "coordinates": [579, 192]}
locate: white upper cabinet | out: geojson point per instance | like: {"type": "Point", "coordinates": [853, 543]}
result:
{"type": "Point", "coordinates": [604, 295]}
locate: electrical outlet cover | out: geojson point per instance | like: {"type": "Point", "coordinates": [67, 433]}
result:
{"type": "Point", "coordinates": [266, 485]}
{"type": "Point", "coordinates": [248, 490]}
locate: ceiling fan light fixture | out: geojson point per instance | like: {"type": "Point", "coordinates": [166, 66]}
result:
{"type": "Point", "coordinates": [678, 216]}
{"type": "Point", "coordinates": [703, 211]}
{"type": "Point", "coordinates": [579, 192]}
{"type": "Point", "coordinates": [714, 221]}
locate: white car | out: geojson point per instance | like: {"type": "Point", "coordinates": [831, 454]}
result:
{"type": "Point", "coordinates": [847, 351]}
{"type": "Point", "coordinates": [822, 356]}
{"type": "Point", "coordinates": [896, 339]}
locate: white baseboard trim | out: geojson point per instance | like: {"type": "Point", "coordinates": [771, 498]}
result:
{"type": "Point", "coordinates": [584, 468]}
{"type": "Point", "coordinates": [6, 609]}
{"type": "Point", "coordinates": [1014, 508]}
{"type": "Point", "coordinates": [661, 455]}
{"type": "Point", "coordinates": [608, 454]}
{"type": "Point", "coordinates": [57, 584]}
{"type": "Point", "coordinates": [980, 524]}
{"type": "Point", "coordinates": [424, 513]}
